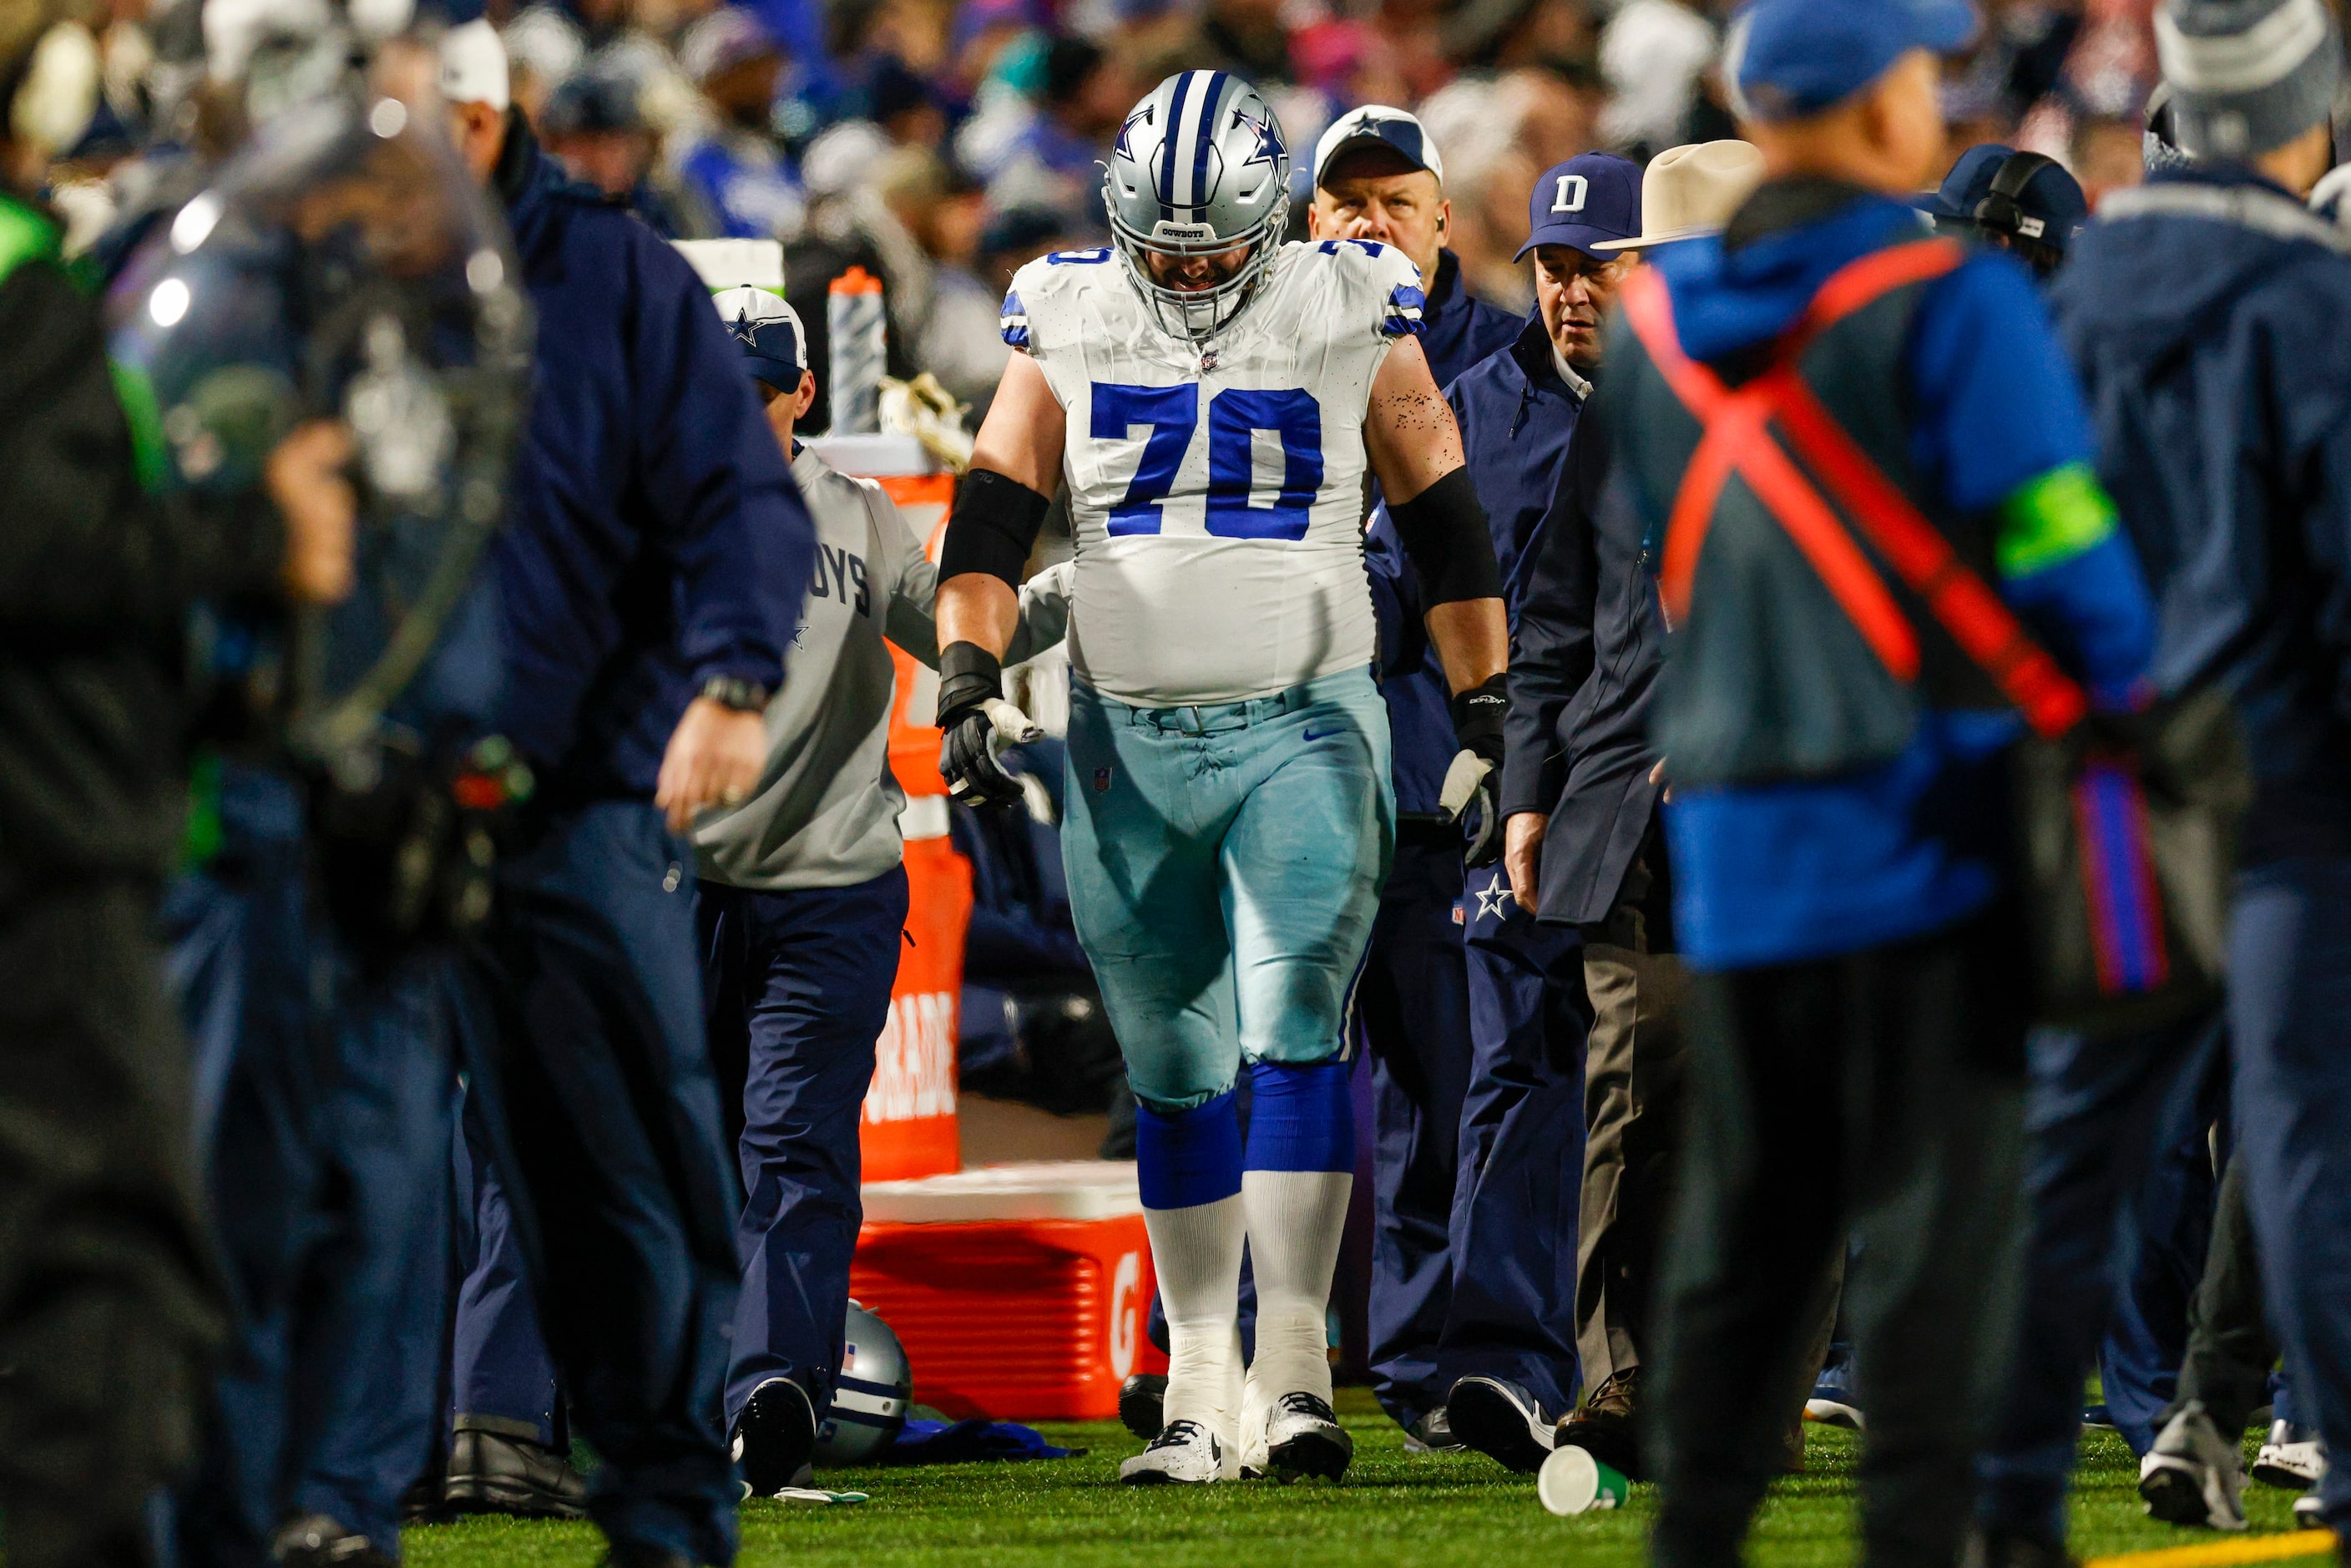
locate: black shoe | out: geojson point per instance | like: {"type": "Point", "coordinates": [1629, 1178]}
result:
{"type": "Point", "coordinates": [775, 1437]}
{"type": "Point", "coordinates": [316, 1540]}
{"type": "Point", "coordinates": [423, 1503]}
{"type": "Point", "coordinates": [1501, 1421]}
{"type": "Point", "coordinates": [1997, 1549]}
{"type": "Point", "coordinates": [1142, 1399]}
{"type": "Point", "coordinates": [493, 1474]}
{"type": "Point", "coordinates": [1608, 1427]}
{"type": "Point", "coordinates": [1432, 1434]}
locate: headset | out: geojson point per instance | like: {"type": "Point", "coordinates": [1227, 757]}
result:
{"type": "Point", "coordinates": [2001, 210]}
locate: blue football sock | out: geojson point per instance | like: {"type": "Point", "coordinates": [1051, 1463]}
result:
{"type": "Point", "coordinates": [1188, 1165]}
{"type": "Point", "coordinates": [1302, 1118]}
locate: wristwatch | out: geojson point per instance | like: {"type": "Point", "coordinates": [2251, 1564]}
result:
{"type": "Point", "coordinates": [734, 692]}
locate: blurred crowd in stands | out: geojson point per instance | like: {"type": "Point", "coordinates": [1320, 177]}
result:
{"type": "Point", "coordinates": [941, 143]}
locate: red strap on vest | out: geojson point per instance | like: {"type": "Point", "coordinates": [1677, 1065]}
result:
{"type": "Point", "coordinates": [1738, 439]}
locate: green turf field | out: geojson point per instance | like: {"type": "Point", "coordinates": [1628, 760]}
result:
{"type": "Point", "coordinates": [1394, 1508]}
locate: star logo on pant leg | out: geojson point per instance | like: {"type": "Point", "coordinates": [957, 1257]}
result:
{"type": "Point", "coordinates": [1493, 896]}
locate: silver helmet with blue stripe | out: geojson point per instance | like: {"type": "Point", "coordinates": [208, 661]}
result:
{"type": "Point", "coordinates": [1200, 171]}
{"type": "Point", "coordinates": [870, 1396]}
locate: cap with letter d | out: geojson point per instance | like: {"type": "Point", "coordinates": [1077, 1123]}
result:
{"type": "Point", "coordinates": [1788, 59]}
{"type": "Point", "coordinates": [1585, 202]}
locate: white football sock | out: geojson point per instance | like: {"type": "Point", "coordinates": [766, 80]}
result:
{"type": "Point", "coordinates": [1196, 1252]}
{"type": "Point", "coordinates": [1295, 1218]}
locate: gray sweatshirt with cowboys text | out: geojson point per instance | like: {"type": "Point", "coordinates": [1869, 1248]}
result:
{"type": "Point", "coordinates": [826, 812]}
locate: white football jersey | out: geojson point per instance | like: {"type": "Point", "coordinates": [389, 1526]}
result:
{"type": "Point", "coordinates": [1217, 496]}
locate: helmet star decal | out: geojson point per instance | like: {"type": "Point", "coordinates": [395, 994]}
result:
{"type": "Point", "coordinates": [1122, 150]}
{"type": "Point", "coordinates": [1270, 149]}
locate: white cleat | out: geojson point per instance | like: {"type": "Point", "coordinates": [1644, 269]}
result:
{"type": "Point", "coordinates": [1303, 1438]}
{"type": "Point", "coordinates": [1186, 1453]}
{"type": "Point", "coordinates": [2295, 1464]}
{"type": "Point", "coordinates": [2190, 1475]}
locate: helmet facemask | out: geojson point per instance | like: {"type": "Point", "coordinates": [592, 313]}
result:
{"type": "Point", "coordinates": [1201, 314]}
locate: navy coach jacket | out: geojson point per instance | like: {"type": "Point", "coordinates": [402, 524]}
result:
{"type": "Point", "coordinates": [649, 501]}
{"type": "Point", "coordinates": [1587, 639]}
{"type": "Point", "coordinates": [1457, 331]}
{"type": "Point", "coordinates": [2210, 319]}
{"type": "Point", "coordinates": [1516, 415]}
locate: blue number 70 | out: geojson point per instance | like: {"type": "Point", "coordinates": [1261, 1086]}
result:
{"type": "Point", "coordinates": [1234, 415]}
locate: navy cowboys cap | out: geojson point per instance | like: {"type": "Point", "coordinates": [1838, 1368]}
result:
{"type": "Point", "coordinates": [2050, 208]}
{"type": "Point", "coordinates": [775, 345]}
{"type": "Point", "coordinates": [1787, 60]}
{"type": "Point", "coordinates": [1377, 125]}
{"type": "Point", "coordinates": [1583, 201]}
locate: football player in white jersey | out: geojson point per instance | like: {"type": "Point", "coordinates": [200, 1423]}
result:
{"type": "Point", "coordinates": [1214, 400]}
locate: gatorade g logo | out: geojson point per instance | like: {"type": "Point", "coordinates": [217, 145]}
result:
{"type": "Point", "coordinates": [1125, 1314]}
{"type": "Point", "coordinates": [1567, 195]}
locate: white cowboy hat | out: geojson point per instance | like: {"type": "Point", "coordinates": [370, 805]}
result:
{"type": "Point", "coordinates": [1688, 192]}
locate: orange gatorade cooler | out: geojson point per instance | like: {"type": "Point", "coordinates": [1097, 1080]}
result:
{"type": "Point", "coordinates": [909, 1123]}
{"type": "Point", "coordinates": [1020, 1291]}
{"type": "Point", "coordinates": [908, 1128]}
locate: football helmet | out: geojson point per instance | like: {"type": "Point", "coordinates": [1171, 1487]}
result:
{"type": "Point", "coordinates": [870, 1396]}
{"type": "Point", "coordinates": [1200, 168]}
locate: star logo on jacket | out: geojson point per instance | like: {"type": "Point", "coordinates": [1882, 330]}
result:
{"type": "Point", "coordinates": [1493, 896]}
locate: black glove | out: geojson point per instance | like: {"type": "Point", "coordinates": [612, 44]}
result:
{"type": "Point", "coordinates": [970, 678]}
{"type": "Point", "coordinates": [1473, 784]}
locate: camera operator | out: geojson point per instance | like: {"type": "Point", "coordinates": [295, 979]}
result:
{"type": "Point", "coordinates": [109, 1305]}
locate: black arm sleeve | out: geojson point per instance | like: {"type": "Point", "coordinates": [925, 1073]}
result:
{"type": "Point", "coordinates": [992, 528]}
{"type": "Point", "coordinates": [1445, 532]}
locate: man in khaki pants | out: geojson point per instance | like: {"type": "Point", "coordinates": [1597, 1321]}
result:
{"type": "Point", "coordinates": [1583, 848]}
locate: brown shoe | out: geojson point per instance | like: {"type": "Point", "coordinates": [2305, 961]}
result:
{"type": "Point", "coordinates": [1607, 1426]}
